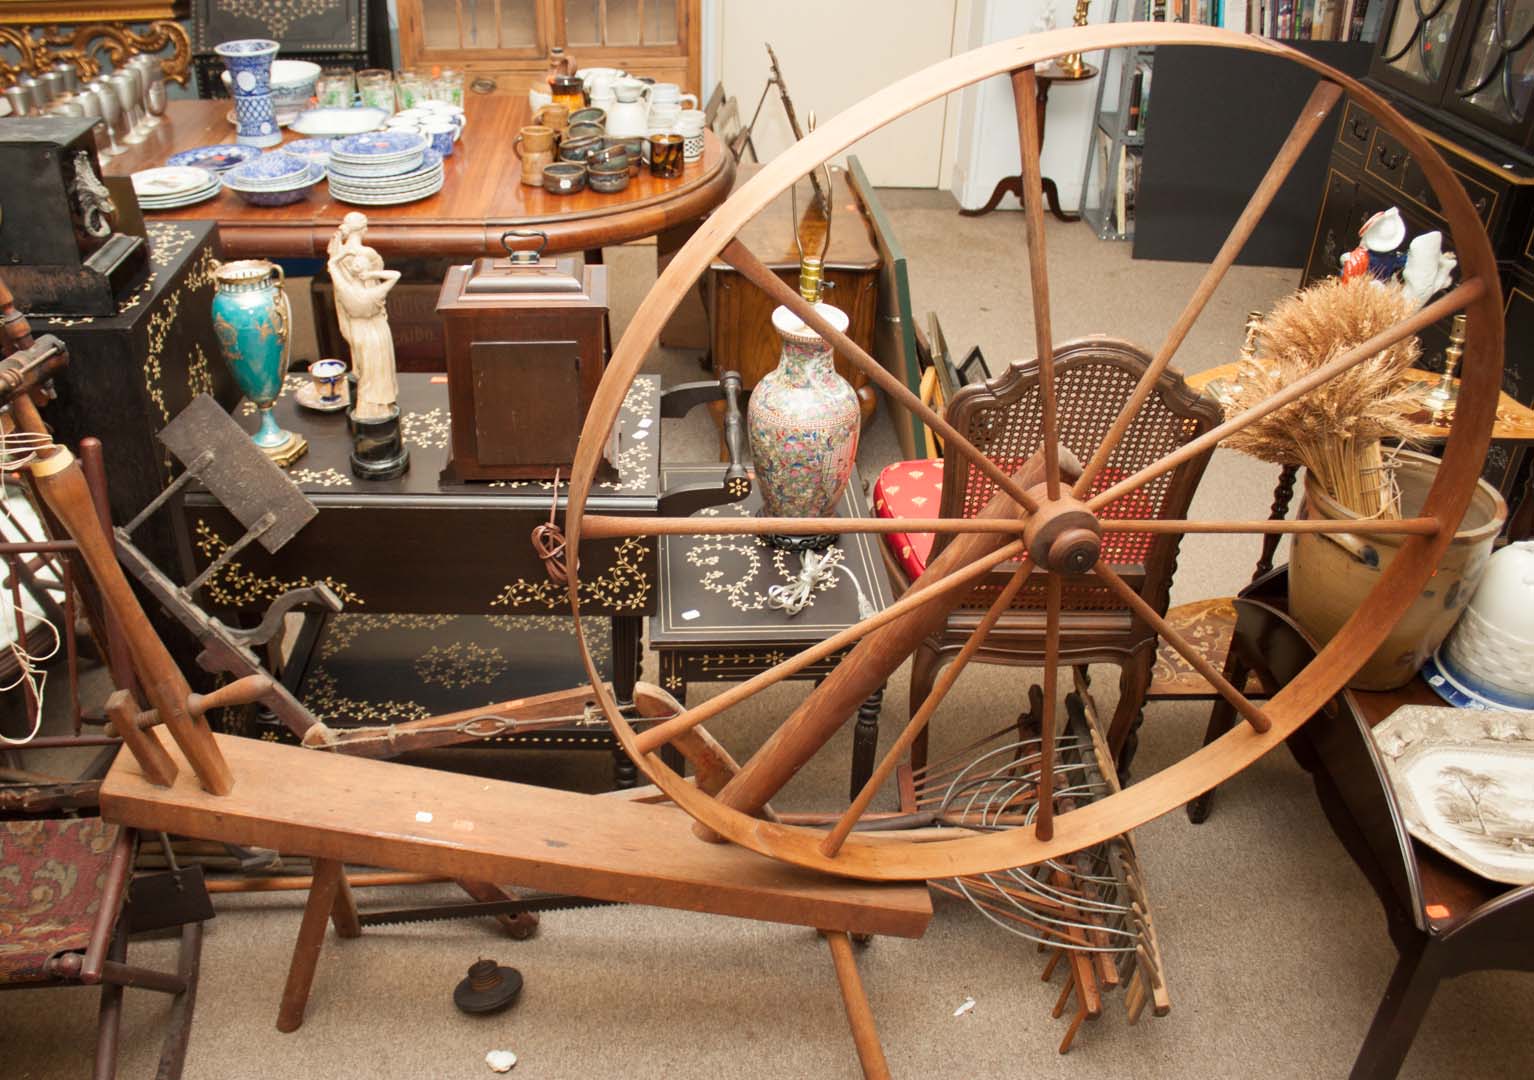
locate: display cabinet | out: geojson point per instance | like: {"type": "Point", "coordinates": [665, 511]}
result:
{"type": "Point", "coordinates": [503, 46]}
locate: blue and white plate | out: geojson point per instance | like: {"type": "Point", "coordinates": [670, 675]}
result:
{"type": "Point", "coordinates": [336, 122]}
{"type": "Point", "coordinates": [379, 146]}
{"type": "Point", "coordinates": [314, 150]}
{"type": "Point", "coordinates": [278, 169]}
{"type": "Point", "coordinates": [214, 158]}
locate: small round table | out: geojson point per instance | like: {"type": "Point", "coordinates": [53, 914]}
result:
{"type": "Point", "coordinates": [1045, 76]}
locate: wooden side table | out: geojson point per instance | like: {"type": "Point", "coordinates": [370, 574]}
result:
{"type": "Point", "coordinates": [714, 623]}
{"type": "Point", "coordinates": [1046, 75]}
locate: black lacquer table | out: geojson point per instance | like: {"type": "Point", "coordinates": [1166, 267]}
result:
{"type": "Point", "coordinates": [715, 622]}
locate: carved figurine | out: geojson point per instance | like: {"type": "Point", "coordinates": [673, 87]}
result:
{"type": "Point", "coordinates": [98, 213]}
{"type": "Point", "coordinates": [362, 288]}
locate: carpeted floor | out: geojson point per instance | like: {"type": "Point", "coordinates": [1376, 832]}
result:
{"type": "Point", "coordinates": [1275, 947]}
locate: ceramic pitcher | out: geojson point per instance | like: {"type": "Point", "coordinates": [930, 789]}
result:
{"type": "Point", "coordinates": [251, 318]}
{"type": "Point", "coordinates": [629, 115]}
{"type": "Point", "coordinates": [803, 421]}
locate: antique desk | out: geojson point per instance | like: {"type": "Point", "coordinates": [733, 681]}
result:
{"type": "Point", "coordinates": [446, 605]}
{"type": "Point", "coordinates": [714, 623]}
{"type": "Point", "coordinates": [483, 195]}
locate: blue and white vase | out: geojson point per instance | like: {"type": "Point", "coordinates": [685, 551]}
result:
{"type": "Point", "coordinates": [252, 318]}
{"type": "Point", "coordinates": [803, 422]}
{"type": "Point", "coordinates": [250, 83]}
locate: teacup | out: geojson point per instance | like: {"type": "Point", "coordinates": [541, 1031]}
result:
{"type": "Point", "coordinates": [443, 134]}
{"type": "Point", "coordinates": [329, 376]}
{"type": "Point", "coordinates": [665, 155]}
{"type": "Point", "coordinates": [585, 131]}
{"type": "Point", "coordinates": [564, 177]}
{"type": "Point", "coordinates": [589, 116]}
{"type": "Point", "coordinates": [538, 96]}
{"type": "Point", "coordinates": [553, 116]}
{"type": "Point", "coordinates": [691, 122]}
{"type": "Point", "coordinates": [535, 146]}
{"type": "Point", "coordinates": [668, 93]}
{"type": "Point", "coordinates": [577, 149]}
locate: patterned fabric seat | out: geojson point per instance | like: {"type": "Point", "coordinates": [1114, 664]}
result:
{"type": "Point", "coordinates": [52, 876]}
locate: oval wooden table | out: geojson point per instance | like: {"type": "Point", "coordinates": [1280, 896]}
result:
{"type": "Point", "coordinates": [482, 197]}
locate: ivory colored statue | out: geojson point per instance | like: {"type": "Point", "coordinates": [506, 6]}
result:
{"type": "Point", "coordinates": [361, 287]}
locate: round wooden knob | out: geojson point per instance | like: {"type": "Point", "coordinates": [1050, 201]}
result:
{"type": "Point", "coordinates": [1075, 551]}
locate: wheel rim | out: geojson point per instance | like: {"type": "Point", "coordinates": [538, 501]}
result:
{"type": "Point", "coordinates": [969, 854]}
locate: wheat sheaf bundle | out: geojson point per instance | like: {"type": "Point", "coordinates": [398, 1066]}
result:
{"type": "Point", "coordinates": [1335, 430]}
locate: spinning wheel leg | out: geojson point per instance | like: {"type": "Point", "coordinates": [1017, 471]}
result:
{"type": "Point", "coordinates": [311, 938]}
{"type": "Point", "coordinates": [860, 1017]}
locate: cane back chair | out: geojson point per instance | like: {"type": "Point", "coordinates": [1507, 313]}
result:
{"type": "Point", "coordinates": [1095, 377]}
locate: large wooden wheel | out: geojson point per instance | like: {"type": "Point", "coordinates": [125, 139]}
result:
{"type": "Point", "coordinates": [1039, 519]}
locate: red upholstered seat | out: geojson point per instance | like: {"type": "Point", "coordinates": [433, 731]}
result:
{"type": "Point", "coordinates": [52, 875]}
{"type": "Point", "coordinates": [914, 489]}
{"type": "Point", "coordinates": [910, 489]}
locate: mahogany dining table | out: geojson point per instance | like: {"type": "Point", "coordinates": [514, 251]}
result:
{"type": "Point", "coordinates": [482, 196]}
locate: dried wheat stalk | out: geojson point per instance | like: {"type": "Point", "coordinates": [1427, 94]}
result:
{"type": "Point", "coordinates": [1335, 430]}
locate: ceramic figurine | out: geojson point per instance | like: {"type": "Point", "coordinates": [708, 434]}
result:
{"type": "Point", "coordinates": [1428, 269]}
{"type": "Point", "coordinates": [1377, 254]}
{"type": "Point", "coordinates": [362, 288]}
{"type": "Point", "coordinates": [803, 422]}
{"type": "Point", "coordinates": [251, 318]}
{"type": "Point", "coordinates": [250, 83]}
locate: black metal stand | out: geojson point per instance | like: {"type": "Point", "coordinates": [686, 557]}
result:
{"type": "Point", "coordinates": [378, 450]}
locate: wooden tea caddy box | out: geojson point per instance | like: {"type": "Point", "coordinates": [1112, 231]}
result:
{"type": "Point", "coordinates": [526, 343]}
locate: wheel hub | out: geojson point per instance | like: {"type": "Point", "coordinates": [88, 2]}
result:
{"type": "Point", "coordinates": [1064, 536]}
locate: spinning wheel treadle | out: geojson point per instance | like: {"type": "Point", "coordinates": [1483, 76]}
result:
{"type": "Point", "coordinates": [1047, 518]}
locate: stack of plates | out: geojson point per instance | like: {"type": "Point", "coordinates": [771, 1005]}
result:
{"type": "Point", "coordinates": [420, 182]}
{"type": "Point", "coordinates": [384, 168]}
{"type": "Point", "coordinates": [378, 153]}
{"type": "Point", "coordinates": [174, 186]}
{"type": "Point", "coordinates": [274, 179]}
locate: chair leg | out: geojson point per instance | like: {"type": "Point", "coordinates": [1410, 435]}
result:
{"type": "Point", "coordinates": [1222, 717]}
{"type": "Point", "coordinates": [109, 1017]}
{"type": "Point", "coordinates": [924, 667]}
{"type": "Point", "coordinates": [1400, 1011]}
{"type": "Point", "coordinates": [1123, 729]}
{"type": "Point", "coordinates": [859, 1016]}
{"type": "Point", "coordinates": [179, 1028]}
{"type": "Point", "coordinates": [311, 938]}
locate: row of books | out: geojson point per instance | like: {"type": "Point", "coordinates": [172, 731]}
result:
{"type": "Point", "coordinates": [1139, 98]}
{"type": "Point", "coordinates": [1317, 20]}
{"type": "Point", "coordinates": [1118, 177]}
{"type": "Point", "coordinates": [1208, 12]}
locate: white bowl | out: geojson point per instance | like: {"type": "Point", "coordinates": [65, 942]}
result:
{"type": "Point", "coordinates": [537, 99]}
{"type": "Point", "coordinates": [292, 81]}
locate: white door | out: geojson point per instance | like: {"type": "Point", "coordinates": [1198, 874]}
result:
{"type": "Point", "coordinates": [835, 53]}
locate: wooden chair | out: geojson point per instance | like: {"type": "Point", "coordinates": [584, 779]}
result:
{"type": "Point", "coordinates": [1002, 416]}
{"type": "Point", "coordinates": [1444, 919]}
{"type": "Point", "coordinates": [66, 914]}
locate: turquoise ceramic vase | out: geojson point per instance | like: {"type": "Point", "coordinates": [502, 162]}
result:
{"type": "Point", "coordinates": [251, 317]}
{"type": "Point", "coordinates": [803, 422]}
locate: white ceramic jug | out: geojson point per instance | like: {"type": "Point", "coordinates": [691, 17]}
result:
{"type": "Point", "coordinates": [629, 115]}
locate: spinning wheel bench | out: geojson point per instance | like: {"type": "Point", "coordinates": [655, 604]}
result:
{"type": "Point", "coordinates": [333, 808]}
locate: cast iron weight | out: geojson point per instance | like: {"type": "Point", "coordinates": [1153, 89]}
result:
{"type": "Point", "coordinates": [488, 988]}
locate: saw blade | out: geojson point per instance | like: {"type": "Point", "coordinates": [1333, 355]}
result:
{"type": "Point", "coordinates": [513, 906]}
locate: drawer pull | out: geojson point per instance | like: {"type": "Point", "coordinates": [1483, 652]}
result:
{"type": "Point", "coordinates": [1391, 161]}
{"type": "Point", "coordinates": [1360, 129]}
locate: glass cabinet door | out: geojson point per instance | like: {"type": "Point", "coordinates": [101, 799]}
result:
{"type": "Point", "coordinates": [455, 26]}
{"type": "Point", "coordinates": [1417, 46]}
{"type": "Point", "coordinates": [1496, 78]}
{"type": "Point", "coordinates": [620, 24]}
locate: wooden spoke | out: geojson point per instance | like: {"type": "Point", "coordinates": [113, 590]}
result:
{"type": "Point", "coordinates": [1465, 294]}
{"type": "Point", "coordinates": [655, 737]}
{"type": "Point", "coordinates": [1420, 526]}
{"type": "Point", "coordinates": [1025, 97]}
{"type": "Point", "coordinates": [600, 526]}
{"type": "Point", "coordinates": [945, 680]}
{"type": "Point", "coordinates": [1316, 110]}
{"type": "Point", "coordinates": [1190, 653]}
{"type": "Point", "coordinates": [1044, 819]}
{"type": "Point", "coordinates": [754, 270]}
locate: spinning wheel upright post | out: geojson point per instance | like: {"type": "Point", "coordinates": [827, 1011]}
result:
{"type": "Point", "coordinates": [1046, 521]}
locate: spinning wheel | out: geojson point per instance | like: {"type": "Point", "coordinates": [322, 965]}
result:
{"type": "Point", "coordinates": [1048, 521]}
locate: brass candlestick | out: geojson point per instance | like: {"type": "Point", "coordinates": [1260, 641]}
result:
{"type": "Point", "coordinates": [1444, 395]}
{"type": "Point", "coordinates": [1073, 62]}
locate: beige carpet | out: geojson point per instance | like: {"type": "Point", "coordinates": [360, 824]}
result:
{"type": "Point", "coordinates": [1275, 947]}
